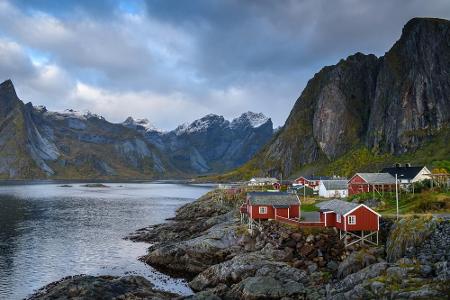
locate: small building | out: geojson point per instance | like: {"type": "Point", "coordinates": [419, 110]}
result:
{"type": "Point", "coordinates": [348, 216]}
{"type": "Point", "coordinates": [333, 188]}
{"type": "Point", "coordinates": [268, 205]}
{"type": "Point", "coordinates": [262, 181]}
{"type": "Point", "coordinates": [408, 174]}
{"type": "Point", "coordinates": [371, 182]}
{"type": "Point", "coordinates": [302, 190]}
{"type": "Point", "coordinates": [310, 181]}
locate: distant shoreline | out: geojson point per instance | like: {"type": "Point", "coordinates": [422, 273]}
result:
{"type": "Point", "coordinates": [84, 181]}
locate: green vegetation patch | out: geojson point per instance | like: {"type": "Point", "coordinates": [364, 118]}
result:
{"type": "Point", "coordinates": [408, 232]}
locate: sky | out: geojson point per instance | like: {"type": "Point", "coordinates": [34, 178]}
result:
{"type": "Point", "coordinates": [175, 61]}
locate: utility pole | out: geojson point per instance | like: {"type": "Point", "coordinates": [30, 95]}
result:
{"type": "Point", "coordinates": [281, 181]}
{"type": "Point", "coordinates": [396, 192]}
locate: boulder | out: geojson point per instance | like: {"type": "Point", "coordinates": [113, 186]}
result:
{"type": "Point", "coordinates": [352, 280]}
{"type": "Point", "coordinates": [407, 234]}
{"type": "Point", "coordinates": [238, 268]}
{"type": "Point", "coordinates": [356, 261]}
{"type": "Point", "coordinates": [197, 254]}
{"type": "Point", "coordinates": [102, 288]}
{"type": "Point", "coordinates": [307, 250]}
{"type": "Point", "coordinates": [265, 287]}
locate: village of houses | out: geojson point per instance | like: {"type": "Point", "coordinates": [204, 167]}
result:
{"type": "Point", "coordinates": [285, 201]}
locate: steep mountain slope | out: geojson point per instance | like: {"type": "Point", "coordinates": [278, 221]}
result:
{"type": "Point", "coordinates": [210, 144]}
{"type": "Point", "coordinates": [387, 106]}
{"type": "Point", "coordinates": [36, 143]}
{"type": "Point", "coordinates": [15, 151]}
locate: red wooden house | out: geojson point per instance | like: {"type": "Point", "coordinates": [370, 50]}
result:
{"type": "Point", "coordinates": [310, 181]}
{"type": "Point", "coordinates": [348, 216]}
{"type": "Point", "coordinates": [371, 182]}
{"type": "Point", "coordinates": [270, 205]}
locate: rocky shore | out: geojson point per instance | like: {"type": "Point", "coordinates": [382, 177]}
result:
{"type": "Point", "coordinates": [101, 287]}
{"type": "Point", "coordinates": [206, 243]}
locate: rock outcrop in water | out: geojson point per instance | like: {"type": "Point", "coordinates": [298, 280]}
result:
{"type": "Point", "coordinates": [101, 287]}
{"type": "Point", "coordinates": [36, 143]}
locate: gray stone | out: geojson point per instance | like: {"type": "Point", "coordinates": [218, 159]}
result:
{"type": "Point", "coordinates": [397, 272]}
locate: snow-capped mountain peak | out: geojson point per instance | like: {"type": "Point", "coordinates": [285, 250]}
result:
{"type": "Point", "coordinates": [140, 124]}
{"type": "Point", "coordinates": [202, 124]}
{"type": "Point", "coordinates": [252, 119]}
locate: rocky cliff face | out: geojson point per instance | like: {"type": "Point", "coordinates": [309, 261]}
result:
{"type": "Point", "coordinates": [36, 143]}
{"type": "Point", "coordinates": [412, 98]}
{"type": "Point", "coordinates": [392, 104]}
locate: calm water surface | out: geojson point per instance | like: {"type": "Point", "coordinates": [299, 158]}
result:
{"type": "Point", "coordinates": [48, 231]}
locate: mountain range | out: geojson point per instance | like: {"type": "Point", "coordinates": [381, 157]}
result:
{"type": "Point", "coordinates": [37, 143]}
{"type": "Point", "coordinates": [358, 115]}
{"type": "Point", "coordinates": [367, 111]}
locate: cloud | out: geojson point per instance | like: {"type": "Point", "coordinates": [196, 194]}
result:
{"type": "Point", "coordinates": [173, 61]}
{"type": "Point", "coordinates": [157, 107]}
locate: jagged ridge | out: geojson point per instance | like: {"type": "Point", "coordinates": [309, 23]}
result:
{"type": "Point", "coordinates": [36, 143]}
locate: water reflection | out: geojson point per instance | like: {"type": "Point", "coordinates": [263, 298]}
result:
{"type": "Point", "coordinates": [48, 231]}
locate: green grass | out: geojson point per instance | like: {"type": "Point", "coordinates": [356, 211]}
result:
{"type": "Point", "coordinates": [425, 202]}
{"type": "Point", "coordinates": [309, 207]}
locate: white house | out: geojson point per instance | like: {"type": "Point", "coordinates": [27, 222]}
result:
{"type": "Point", "coordinates": [333, 188]}
{"type": "Point", "coordinates": [262, 181]}
{"type": "Point", "coordinates": [408, 174]}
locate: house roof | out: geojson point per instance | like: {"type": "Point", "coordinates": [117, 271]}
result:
{"type": "Point", "coordinates": [342, 207]}
{"type": "Point", "coordinates": [310, 178]}
{"type": "Point", "coordinates": [404, 172]}
{"type": "Point", "coordinates": [264, 179]}
{"type": "Point", "coordinates": [338, 206]}
{"type": "Point", "coordinates": [335, 184]}
{"type": "Point", "coordinates": [377, 178]}
{"type": "Point", "coordinates": [272, 198]}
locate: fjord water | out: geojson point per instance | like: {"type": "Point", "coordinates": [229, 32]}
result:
{"type": "Point", "coordinates": [48, 231]}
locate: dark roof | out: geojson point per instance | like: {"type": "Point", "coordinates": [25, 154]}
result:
{"type": "Point", "coordinates": [377, 178]}
{"type": "Point", "coordinates": [403, 172]}
{"type": "Point", "coordinates": [338, 206]}
{"type": "Point", "coordinates": [272, 198]}
{"type": "Point", "coordinates": [335, 184]}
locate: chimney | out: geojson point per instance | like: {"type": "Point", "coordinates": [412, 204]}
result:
{"type": "Point", "coordinates": [408, 165]}
{"type": "Point", "coordinates": [397, 165]}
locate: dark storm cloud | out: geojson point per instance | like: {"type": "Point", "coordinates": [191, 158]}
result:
{"type": "Point", "coordinates": [172, 61]}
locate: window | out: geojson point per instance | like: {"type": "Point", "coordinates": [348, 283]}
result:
{"type": "Point", "coordinates": [351, 220]}
{"type": "Point", "coordinates": [338, 218]}
{"type": "Point", "coordinates": [263, 209]}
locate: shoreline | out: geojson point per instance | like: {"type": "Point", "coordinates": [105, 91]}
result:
{"type": "Point", "coordinates": [205, 244]}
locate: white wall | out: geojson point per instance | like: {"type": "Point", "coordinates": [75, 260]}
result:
{"type": "Point", "coordinates": [423, 174]}
{"type": "Point", "coordinates": [323, 192]}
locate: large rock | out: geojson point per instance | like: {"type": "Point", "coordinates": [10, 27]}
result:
{"type": "Point", "coordinates": [101, 288]}
{"type": "Point", "coordinates": [357, 260]}
{"type": "Point", "coordinates": [352, 280]}
{"type": "Point", "coordinates": [266, 287]}
{"type": "Point", "coordinates": [192, 256]}
{"type": "Point", "coordinates": [243, 266]}
{"type": "Point", "coordinates": [406, 234]}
